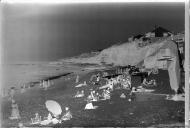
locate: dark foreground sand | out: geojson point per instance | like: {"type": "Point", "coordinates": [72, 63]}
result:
{"type": "Point", "coordinates": [146, 109]}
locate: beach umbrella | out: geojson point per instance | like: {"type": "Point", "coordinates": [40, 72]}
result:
{"type": "Point", "coordinates": [53, 107]}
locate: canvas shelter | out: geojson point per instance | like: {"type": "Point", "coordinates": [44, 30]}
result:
{"type": "Point", "coordinates": [166, 58]}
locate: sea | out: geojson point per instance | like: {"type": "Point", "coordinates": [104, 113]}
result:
{"type": "Point", "coordinates": [16, 75]}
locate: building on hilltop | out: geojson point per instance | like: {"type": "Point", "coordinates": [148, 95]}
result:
{"type": "Point", "coordinates": [159, 32]}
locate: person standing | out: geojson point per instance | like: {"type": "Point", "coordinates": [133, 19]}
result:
{"type": "Point", "coordinates": [15, 111]}
{"type": "Point", "coordinates": [12, 93]}
{"type": "Point", "coordinates": [77, 79]}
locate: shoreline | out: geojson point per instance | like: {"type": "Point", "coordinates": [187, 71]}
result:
{"type": "Point", "coordinates": [49, 78]}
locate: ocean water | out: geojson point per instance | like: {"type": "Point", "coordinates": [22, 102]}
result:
{"type": "Point", "coordinates": [18, 74]}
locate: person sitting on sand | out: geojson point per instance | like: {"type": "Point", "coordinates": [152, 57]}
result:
{"type": "Point", "coordinates": [15, 111]}
{"type": "Point", "coordinates": [89, 105]}
{"type": "Point", "coordinates": [106, 94]}
{"type": "Point", "coordinates": [80, 94]}
{"type": "Point", "coordinates": [126, 83]}
{"type": "Point", "coordinates": [37, 118]}
{"type": "Point", "coordinates": [47, 120]}
{"type": "Point", "coordinates": [67, 115]}
{"type": "Point", "coordinates": [49, 117]}
{"type": "Point", "coordinates": [89, 98]}
{"type": "Point", "coordinates": [94, 96]}
{"type": "Point", "coordinates": [133, 90]}
{"type": "Point", "coordinates": [97, 96]}
{"type": "Point", "coordinates": [82, 84]}
{"type": "Point", "coordinates": [154, 83]}
{"type": "Point", "coordinates": [145, 82]}
{"type": "Point", "coordinates": [97, 78]}
{"type": "Point", "coordinates": [110, 83]}
{"type": "Point", "coordinates": [151, 83]}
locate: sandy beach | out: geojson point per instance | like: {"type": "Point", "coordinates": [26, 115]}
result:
{"type": "Point", "coordinates": [147, 109]}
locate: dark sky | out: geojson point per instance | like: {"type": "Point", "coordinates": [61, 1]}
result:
{"type": "Point", "coordinates": [36, 32]}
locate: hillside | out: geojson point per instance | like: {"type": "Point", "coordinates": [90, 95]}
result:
{"type": "Point", "coordinates": [127, 53]}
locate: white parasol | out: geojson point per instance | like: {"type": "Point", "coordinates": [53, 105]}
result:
{"type": "Point", "coordinates": [53, 107]}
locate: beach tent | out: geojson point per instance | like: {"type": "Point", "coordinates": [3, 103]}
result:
{"type": "Point", "coordinates": [165, 58]}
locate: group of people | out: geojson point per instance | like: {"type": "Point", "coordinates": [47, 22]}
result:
{"type": "Point", "coordinates": [12, 91]}
{"type": "Point", "coordinates": [45, 84]}
{"type": "Point", "coordinates": [54, 119]}
{"type": "Point", "coordinates": [79, 94]}
{"type": "Point", "coordinates": [149, 83]}
{"type": "Point", "coordinates": [122, 81]}
{"type": "Point", "coordinates": [15, 113]}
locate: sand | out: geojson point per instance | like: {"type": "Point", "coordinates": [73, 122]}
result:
{"type": "Point", "coordinates": [147, 110]}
